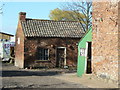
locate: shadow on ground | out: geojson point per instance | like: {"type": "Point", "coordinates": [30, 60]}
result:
{"type": "Point", "coordinates": [29, 73]}
{"type": "Point", "coordinates": [9, 70]}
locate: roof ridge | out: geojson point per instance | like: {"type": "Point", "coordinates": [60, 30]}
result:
{"type": "Point", "coordinates": [49, 20]}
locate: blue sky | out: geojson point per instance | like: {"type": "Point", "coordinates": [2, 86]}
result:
{"type": "Point", "coordinates": [37, 10]}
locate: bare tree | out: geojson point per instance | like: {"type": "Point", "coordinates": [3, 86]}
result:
{"type": "Point", "coordinates": [84, 7]}
{"type": "Point", "coordinates": [1, 8]}
{"type": "Point", "coordinates": [1, 13]}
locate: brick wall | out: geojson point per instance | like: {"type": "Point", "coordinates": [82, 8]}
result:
{"type": "Point", "coordinates": [119, 44]}
{"type": "Point", "coordinates": [19, 47]}
{"type": "Point", "coordinates": [105, 40]}
{"type": "Point", "coordinates": [31, 45]}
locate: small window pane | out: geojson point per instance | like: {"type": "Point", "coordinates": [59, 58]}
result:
{"type": "Point", "coordinates": [82, 51]}
{"type": "Point", "coordinates": [42, 54]}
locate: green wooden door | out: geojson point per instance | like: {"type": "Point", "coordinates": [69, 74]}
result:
{"type": "Point", "coordinates": [81, 65]}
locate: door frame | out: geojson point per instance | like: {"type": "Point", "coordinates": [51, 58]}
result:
{"type": "Point", "coordinates": [86, 57]}
{"type": "Point", "coordinates": [64, 54]}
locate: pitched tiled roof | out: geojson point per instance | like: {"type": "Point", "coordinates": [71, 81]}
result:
{"type": "Point", "coordinates": [50, 28]}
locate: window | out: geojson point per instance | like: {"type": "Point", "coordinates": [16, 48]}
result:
{"type": "Point", "coordinates": [82, 51]}
{"type": "Point", "coordinates": [18, 41]}
{"type": "Point", "coordinates": [42, 54]}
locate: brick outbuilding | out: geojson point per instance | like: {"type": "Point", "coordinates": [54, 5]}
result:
{"type": "Point", "coordinates": [46, 43]}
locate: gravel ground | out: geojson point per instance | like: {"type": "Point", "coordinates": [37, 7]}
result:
{"type": "Point", "coordinates": [13, 77]}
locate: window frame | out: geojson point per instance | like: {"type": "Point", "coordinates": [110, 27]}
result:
{"type": "Point", "coordinates": [38, 58]}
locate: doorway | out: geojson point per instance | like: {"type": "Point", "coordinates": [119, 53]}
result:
{"type": "Point", "coordinates": [60, 57]}
{"type": "Point", "coordinates": [88, 59]}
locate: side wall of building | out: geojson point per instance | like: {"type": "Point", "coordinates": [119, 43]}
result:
{"type": "Point", "coordinates": [105, 40]}
{"type": "Point", "coordinates": [5, 36]}
{"type": "Point", "coordinates": [19, 47]}
{"type": "Point", "coordinates": [119, 44]}
{"type": "Point", "coordinates": [31, 45]}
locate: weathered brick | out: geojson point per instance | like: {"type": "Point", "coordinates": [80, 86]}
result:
{"type": "Point", "coordinates": [33, 43]}
{"type": "Point", "coordinates": [19, 48]}
{"type": "Point", "coordinates": [105, 38]}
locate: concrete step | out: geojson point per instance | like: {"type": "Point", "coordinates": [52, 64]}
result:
{"type": "Point", "coordinates": [88, 76]}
